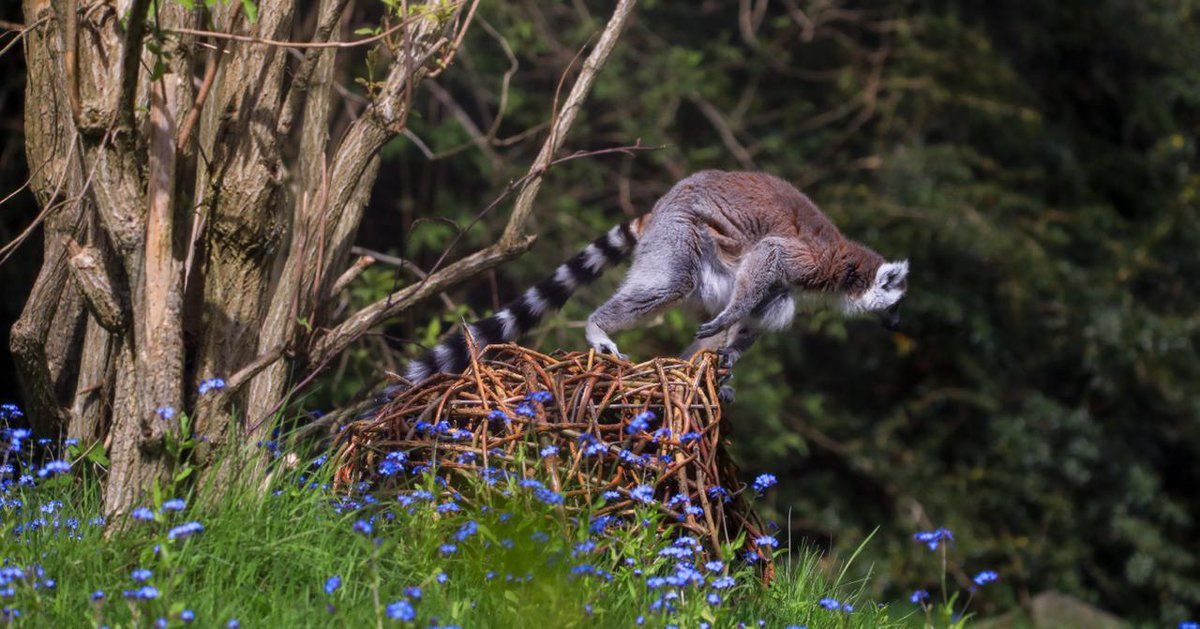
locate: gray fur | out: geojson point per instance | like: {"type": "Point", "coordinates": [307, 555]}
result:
{"type": "Point", "coordinates": [776, 244]}
{"type": "Point", "coordinates": [740, 248]}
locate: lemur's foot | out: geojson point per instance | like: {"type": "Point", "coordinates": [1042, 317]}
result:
{"type": "Point", "coordinates": [608, 347]}
{"type": "Point", "coordinates": [726, 394]}
{"type": "Point", "coordinates": [712, 328]}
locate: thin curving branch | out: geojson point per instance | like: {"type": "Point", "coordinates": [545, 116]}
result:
{"type": "Point", "coordinates": [514, 232]}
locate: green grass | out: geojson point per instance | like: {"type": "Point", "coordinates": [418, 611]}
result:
{"type": "Point", "coordinates": [264, 557]}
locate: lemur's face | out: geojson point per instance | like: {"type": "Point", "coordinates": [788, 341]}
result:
{"type": "Point", "coordinates": [883, 295]}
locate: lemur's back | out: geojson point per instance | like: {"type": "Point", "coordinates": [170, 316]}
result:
{"type": "Point", "coordinates": [738, 209]}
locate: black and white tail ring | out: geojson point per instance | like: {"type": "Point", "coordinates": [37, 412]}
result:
{"type": "Point", "coordinates": [522, 314]}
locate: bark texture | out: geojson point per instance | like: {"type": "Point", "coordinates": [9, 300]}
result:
{"type": "Point", "coordinates": [197, 209]}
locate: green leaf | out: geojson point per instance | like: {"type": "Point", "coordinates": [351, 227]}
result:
{"type": "Point", "coordinates": [160, 69]}
{"type": "Point", "coordinates": [183, 473]}
{"type": "Point", "coordinates": [98, 456]}
{"type": "Point", "coordinates": [251, 10]}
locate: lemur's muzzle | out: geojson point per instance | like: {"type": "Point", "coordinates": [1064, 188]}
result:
{"type": "Point", "coordinates": [891, 318]}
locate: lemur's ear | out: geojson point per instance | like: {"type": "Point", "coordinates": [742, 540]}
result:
{"type": "Point", "coordinates": [892, 274]}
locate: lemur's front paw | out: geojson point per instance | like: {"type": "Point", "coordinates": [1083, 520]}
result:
{"type": "Point", "coordinates": [726, 394]}
{"type": "Point", "coordinates": [608, 347]}
{"type": "Point", "coordinates": [711, 328]}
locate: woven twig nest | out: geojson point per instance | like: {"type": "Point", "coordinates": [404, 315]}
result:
{"type": "Point", "coordinates": [597, 426]}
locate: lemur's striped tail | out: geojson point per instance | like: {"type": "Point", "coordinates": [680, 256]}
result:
{"type": "Point", "coordinates": [520, 315]}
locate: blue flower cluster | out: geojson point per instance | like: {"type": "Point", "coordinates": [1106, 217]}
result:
{"type": "Point", "coordinates": [934, 539]}
{"type": "Point", "coordinates": [392, 464]}
{"type": "Point", "coordinates": [640, 422]}
{"type": "Point", "coordinates": [943, 538]}
{"type": "Point", "coordinates": [677, 573]}
{"type": "Point", "coordinates": [836, 605]}
{"type": "Point", "coordinates": [140, 593]}
{"type": "Point", "coordinates": [211, 384]}
{"type": "Point", "coordinates": [763, 482]}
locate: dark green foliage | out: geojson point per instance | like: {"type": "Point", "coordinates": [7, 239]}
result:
{"type": "Point", "coordinates": [1035, 161]}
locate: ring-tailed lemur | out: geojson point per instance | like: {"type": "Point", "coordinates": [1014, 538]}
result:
{"type": "Point", "coordinates": [738, 246]}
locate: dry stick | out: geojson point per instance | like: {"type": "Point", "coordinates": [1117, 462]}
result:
{"type": "Point", "coordinates": [351, 274]}
{"type": "Point", "coordinates": [515, 230]}
{"type": "Point", "coordinates": [8, 250]}
{"type": "Point", "coordinates": [485, 141]}
{"type": "Point", "coordinates": [290, 44]}
{"type": "Point", "coordinates": [462, 33]}
{"type": "Point", "coordinates": [20, 32]}
{"type": "Point", "coordinates": [533, 174]}
{"type": "Point", "coordinates": [725, 131]}
{"type": "Point", "coordinates": [210, 75]}
{"type": "Point", "coordinates": [339, 337]}
{"type": "Point", "coordinates": [514, 234]}
{"type": "Point", "coordinates": [701, 476]}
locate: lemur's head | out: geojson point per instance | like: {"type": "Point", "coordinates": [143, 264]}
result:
{"type": "Point", "coordinates": [882, 295]}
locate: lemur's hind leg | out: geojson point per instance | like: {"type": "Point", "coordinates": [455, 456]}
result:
{"type": "Point", "coordinates": [761, 274]}
{"type": "Point", "coordinates": [652, 283]}
{"type": "Point", "coordinates": [774, 312]}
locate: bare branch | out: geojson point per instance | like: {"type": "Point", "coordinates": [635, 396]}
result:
{"type": "Point", "coordinates": [505, 81]}
{"type": "Point", "coordinates": [243, 375]}
{"type": "Point", "coordinates": [514, 232]}
{"type": "Point", "coordinates": [210, 75]}
{"type": "Point", "coordinates": [9, 249]}
{"type": "Point", "coordinates": [483, 142]}
{"type": "Point", "coordinates": [462, 32]}
{"type": "Point", "coordinates": [329, 14]}
{"type": "Point", "coordinates": [264, 41]}
{"type": "Point", "coordinates": [351, 274]}
{"type": "Point", "coordinates": [340, 337]}
{"type": "Point", "coordinates": [724, 130]}
{"type": "Point", "coordinates": [395, 261]}
{"type": "Point", "coordinates": [20, 31]}
{"type": "Point", "coordinates": [345, 333]}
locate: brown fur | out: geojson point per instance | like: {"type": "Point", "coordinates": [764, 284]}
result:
{"type": "Point", "coordinates": [752, 206]}
{"type": "Point", "coordinates": [737, 245]}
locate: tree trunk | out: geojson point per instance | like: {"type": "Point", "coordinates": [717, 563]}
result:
{"type": "Point", "coordinates": [183, 241]}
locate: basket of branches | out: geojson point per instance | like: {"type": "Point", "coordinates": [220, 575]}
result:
{"type": "Point", "coordinates": [592, 431]}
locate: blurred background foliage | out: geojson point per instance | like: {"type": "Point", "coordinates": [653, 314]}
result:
{"type": "Point", "coordinates": [1036, 162]}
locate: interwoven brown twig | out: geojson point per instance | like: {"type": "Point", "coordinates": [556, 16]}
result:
{"type": "Point", "coordinates": [493, 421]}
